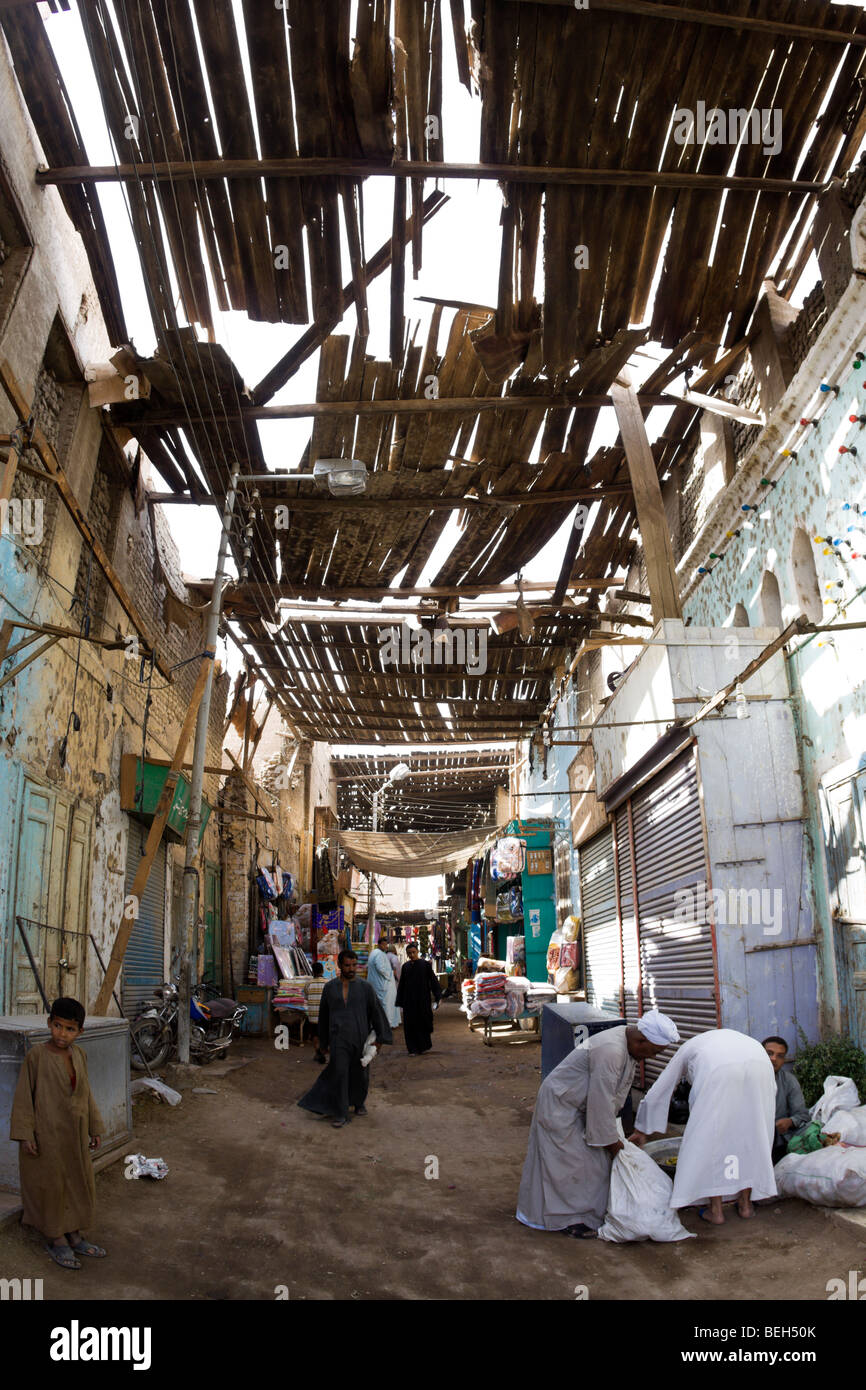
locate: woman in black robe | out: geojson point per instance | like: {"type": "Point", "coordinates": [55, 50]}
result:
{"type": "Point", "coordinates": [417, 984]}
{"type": "Point", "coordinates": [348, 1012]}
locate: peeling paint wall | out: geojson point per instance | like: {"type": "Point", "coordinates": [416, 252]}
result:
{"type": "Point", "coordinates": [55, 323]}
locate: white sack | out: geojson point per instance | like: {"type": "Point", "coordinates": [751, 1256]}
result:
{"type": "Point", "coordinates": [850, 1125]}
{"type": "Point", "coordinates": [639, 1205]}
{"type": "Point", "coordinates": [832, 1177]}
{"type": "Point", "coordinates": [369, 1050]}
{"type": "Point", "coordinates": [840, 1093]}
{"type": "Point", "coordinates": [152, 1083]}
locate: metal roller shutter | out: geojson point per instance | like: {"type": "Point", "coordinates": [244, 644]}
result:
{"type": "Point", "coordinates": [599, 922]}
{"type": "Point", "coordinates": [677, 964]}
{"type": "Point", "coordinates": [628, 925]}
{"type": "Point", "coordinates": [144, 959]}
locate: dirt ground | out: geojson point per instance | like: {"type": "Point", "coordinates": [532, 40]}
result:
{"type": "Point", "coordinates": [261, 1194]}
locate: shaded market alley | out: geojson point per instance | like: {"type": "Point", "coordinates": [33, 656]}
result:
{"type": "Point", "coordinates": [260, 1194]}
{"type": "Point", "coordinates": [433, 600]}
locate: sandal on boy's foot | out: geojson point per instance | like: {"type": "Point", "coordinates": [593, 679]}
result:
{"type": "Point", "coordinates": [360, 1109]}
{"type": "Point", "coordinates": [579, 1231]}
{"type": "Point", "coordinates": [84, 1247]}
{"type": "Point", "coordinates": [340, 1121]}
{"type": "Point", "coordinates": [62, 1255]}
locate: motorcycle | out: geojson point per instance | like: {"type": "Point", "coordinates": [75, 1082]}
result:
{"type": "Point", "coordinates": [213, 1021]}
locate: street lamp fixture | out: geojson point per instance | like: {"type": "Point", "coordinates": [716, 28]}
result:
{"type": "Point", "coordinates": [342, 477]}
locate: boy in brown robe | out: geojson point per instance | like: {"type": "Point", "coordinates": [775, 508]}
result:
{"type": "Point", "coordinates": [56, 1121]}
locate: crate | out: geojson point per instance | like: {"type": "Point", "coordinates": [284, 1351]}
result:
{"type": "Point", "coordinates": [258, 1021]}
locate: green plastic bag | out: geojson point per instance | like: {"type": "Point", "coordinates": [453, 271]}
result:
{"type": "Point", "coordinates": [808, 1141]}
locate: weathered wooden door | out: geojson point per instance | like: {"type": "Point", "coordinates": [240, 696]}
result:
{"type": "Point", "coordinates": [51, 895]}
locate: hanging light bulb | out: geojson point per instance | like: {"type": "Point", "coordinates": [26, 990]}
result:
{"type": "Point", "coordinates": [741, 703]}
{"type": "Point", "coordinates": [525, 623]}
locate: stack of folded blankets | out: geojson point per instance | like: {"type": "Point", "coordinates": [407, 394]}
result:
{"type": "Point", "coordinates": [537, 996]}
{"type": "Point", "coordinates": [467, 990]}
{"type": "Point", "coordinates": [489, 993]}
{"type": "Point", "coordinates": [290, 995]}
{"type": "Point", "coordinates": [516, 989]}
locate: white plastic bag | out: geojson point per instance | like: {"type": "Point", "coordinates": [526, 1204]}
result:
{"type": "Point", "coordinates": [137, 1166]}
{"type": "Point", "coordinates": [850, 1125]}
{"type": "Point", "coordinates": [840, 1093]}
{"type": "Point", "coordinates": [152, 1083]}
{"type": "Point", "coordinates": [639, 1204]}
{"type": "Point", "coordinates": [369, 1050]}
{"type": "Point", "coordinates": [832, 1177]}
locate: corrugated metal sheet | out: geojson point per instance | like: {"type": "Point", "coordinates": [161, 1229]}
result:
{"type": "Point", "coordinates": [628, 925]}
{"type": "Point", "coordinates": [143, 962]}
{"type": "Point", "coordinates": [599, 921]}
{"type": "Point", "coordinates": [676, 951]}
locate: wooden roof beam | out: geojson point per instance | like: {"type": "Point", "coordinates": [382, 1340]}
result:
{"type": "Point", "coordinates": [440, 405]}
{"type": "Point", "coordinates": [651, 516]}
{"type": "Point", "coordinates": [182, 170]}
{"type": "Point", "coordinates": [410, 502]}
{"type": "Point", "coordinates": [688, 15]}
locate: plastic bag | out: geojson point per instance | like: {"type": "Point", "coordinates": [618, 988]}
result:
{"type": "Point", "coordinates": [151, 1083]}
{"type": "Point", "coordinates": [508, 858]}
{"type": "Point", "coordinates": [850, 1125]}
{"type": "Point", "coordinates": [840, 1093]}
{"type": "Point", "coordinates": [834, 1177]}
{"type": "Point", "coordinates": [808, 1141]}
{"type": "Point", "coordinates": [639, 1203]}
{"type": "Point", "coordinates": [369, 1050]}
{"type": "Point", "coordinates": [140, 1167]}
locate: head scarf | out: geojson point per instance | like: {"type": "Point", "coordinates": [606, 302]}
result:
{"type": "Point", "coordinates": [658, 1029]}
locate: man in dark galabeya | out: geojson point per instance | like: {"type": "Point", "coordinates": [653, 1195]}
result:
{"type": "Point", "coordinates": [348, 1012]}
{"type": "Point", "coordinates": [417, 984]}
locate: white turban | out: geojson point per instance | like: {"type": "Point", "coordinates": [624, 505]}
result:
{"type": "Point", "coordinates": [657, 1028]}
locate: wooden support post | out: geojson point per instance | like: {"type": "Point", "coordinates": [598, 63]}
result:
{"type": "Point", "coordinates": [16, 670]}
{"type": "Point", "coordinates": [269, 704]}
{"type": "Point", "coordinates": [17, 448]}
{"type": "Point", "coordinates": [652, 521]}
{"type": "Point", "coordinates": [772, 363]}
{"type": "Point", "coordinates": [250, 785]}
{"type": "Point", "coordinates": [5, 634]}
{"type": "Point", "coordinates": [831, 237]}
{"type": "Point", "coordinates": [124, 931]}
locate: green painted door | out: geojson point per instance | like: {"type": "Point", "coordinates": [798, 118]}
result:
{"type": "Point", "coordinates": [212, 963]}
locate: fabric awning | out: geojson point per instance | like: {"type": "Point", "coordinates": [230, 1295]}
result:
{"type": "Point", "coordinates": [412, 855]}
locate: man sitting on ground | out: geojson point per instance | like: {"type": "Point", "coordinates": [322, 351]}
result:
{"type": "Point", "coordinates": [791, 1110]}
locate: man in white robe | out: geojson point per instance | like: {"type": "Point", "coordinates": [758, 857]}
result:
{"type": "Point", "coordinates": [574, 1136]}
{"type": "Point", "coordinates": [381, 977]}
{"type": "Point", "coordinates": [728, 1140]}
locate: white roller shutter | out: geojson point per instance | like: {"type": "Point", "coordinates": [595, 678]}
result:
{"type": "Point", "coordinates": [143, 964]}
{"type": "Point", "coordinates": [599, 922]}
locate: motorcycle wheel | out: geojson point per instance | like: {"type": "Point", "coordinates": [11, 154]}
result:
{"type": "Point", "coordinates": [153, 1040]}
